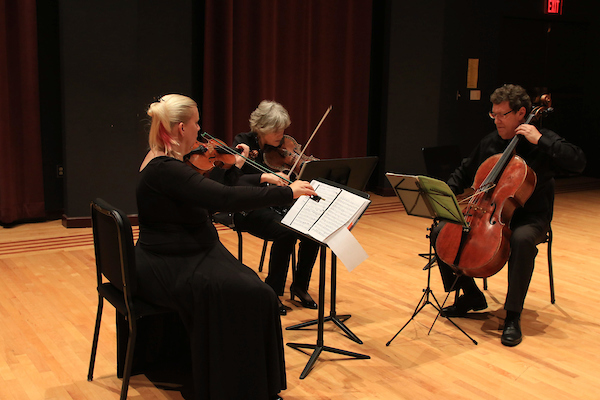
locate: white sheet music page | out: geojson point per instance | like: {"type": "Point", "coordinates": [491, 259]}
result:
{"type": "Point", "coordinates": [306, 212]}
{"type": "Point", "coordinates": [323, 220]}
{"type": "Point", "coordinates": [320, 219]}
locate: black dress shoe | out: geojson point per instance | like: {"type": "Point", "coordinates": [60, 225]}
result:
{"type": "Point", "coordinates": [305, 299]}
{"type": "Point", "coordinates": [276, 397]}
{"type": "Point", "coordinates": [283, 309]}
{"type": "Point", "coordinates": [464, 304]}
{"type": "Point", "coordinates": [511, 335]}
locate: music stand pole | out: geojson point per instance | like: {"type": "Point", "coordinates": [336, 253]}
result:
{"type": "Point", "coordinates": [333, 317]}
{"type": "Point", "coordinates": [320, 346]}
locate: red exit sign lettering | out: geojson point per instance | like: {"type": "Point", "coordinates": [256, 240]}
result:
{"type": "Point", "coordinates": [554, 7]}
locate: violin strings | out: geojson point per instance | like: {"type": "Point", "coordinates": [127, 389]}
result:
{"type": "Point", "coordinates": [249, 161]}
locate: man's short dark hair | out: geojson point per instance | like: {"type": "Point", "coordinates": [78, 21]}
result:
{"type": "Point", "coordinates": [516, 96]}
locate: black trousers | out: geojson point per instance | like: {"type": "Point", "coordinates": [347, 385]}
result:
{"type": "Point", "coordinates": [527, 233]}
{"type": "Point", "coordinates": [264, 223]}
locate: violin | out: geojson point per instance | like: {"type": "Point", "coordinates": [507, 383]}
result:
{"type": "Point", "coordinates": [206, 156]}
{"type": "Point", "coordinates": [502, 183]}
{"type": "Point", "coordinates": [286, 156]}
{"type": "Point", "coordinates": [215, 153]}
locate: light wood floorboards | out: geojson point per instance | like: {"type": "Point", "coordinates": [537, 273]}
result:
{"type": "Point", "coordinates": [48, 304]}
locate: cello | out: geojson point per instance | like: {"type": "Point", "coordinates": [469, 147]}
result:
{"type": "Point", "coordinates": [502, 183]}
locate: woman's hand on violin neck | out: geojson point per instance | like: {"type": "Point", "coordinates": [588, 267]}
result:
{"type": "Point", "coordinates": [241, 159]}
{"type": "Point", "coordinates": [274, 179]}
{"type": "Point", "coordinates": [302, 188]}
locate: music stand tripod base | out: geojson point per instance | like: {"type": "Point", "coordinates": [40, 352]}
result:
{"type": "Point", "coordinates": [427, 292]}
{"type": "Point", "coordinates": [333, 317]}
{"type": "Point", "coordinates": [319, 347]}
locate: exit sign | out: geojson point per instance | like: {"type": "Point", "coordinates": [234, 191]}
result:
{"type": "Point", "coordinates": [553, 7]}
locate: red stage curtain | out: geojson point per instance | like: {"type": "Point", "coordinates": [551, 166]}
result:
{"type": "Point", "coordinates": [305, 54]}
{"type": "Point", "coordinates": [21, 179]}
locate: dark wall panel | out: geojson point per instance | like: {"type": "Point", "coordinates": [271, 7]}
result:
{"type": "Point", "coordinates": [411, 99]}
{"type": "Point", "coordinates": [117, 56]}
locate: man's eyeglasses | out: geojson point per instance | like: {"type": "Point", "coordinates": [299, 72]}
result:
{"type": "Point", "coordinates": [493, 115]}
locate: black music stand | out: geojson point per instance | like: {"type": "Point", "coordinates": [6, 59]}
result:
{"type": "Point", "coordinates": [351, 172]}
{"type": "Point", "coordinates": [333, 317]}
{"type": "Point", "coordinates": [427, 197]}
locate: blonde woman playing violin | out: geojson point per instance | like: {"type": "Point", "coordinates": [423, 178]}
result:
{"type": "Point", "coordinates": [230, 314]}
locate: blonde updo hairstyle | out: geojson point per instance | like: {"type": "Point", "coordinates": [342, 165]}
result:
{"type": "Point", "coordinates": [269, 116]}
{"type": "Point", "coordinates": [166, 114]}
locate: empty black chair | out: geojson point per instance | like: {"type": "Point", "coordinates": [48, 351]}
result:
{"type": "Point", "coordinates": [116, 278]}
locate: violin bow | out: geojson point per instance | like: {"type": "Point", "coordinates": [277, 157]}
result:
{"type": "Point", "coordinates": [249, 161]}
{"type": "Point", "coordinates": [311, 138]}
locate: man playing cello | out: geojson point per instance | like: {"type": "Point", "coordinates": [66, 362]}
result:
{"type": "Point", "coordinates": [547, 154]}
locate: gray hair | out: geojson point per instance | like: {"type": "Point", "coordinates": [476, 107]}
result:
{"type": "Point", "coordinates": [269, 116]}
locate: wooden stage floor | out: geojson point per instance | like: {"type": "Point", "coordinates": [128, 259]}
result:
{"type": "Point", "coordinates": [48, 305]}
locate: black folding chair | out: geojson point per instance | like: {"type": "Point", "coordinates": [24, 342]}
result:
{"type": "Point", "coordinates": [116, 278]}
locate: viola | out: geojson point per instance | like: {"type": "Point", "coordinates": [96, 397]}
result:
{"type": "Point", "coordinates": [502, 183]}
{"type": "Point", "coordinates": [286, 156]}
{"type": "Point", "coordinates": [206, 156]}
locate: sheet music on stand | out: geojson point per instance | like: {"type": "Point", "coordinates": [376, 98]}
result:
{"type": "Point", "coordinates": [427, 197]}
{"type": "Point", "coordinates": [330, 220]}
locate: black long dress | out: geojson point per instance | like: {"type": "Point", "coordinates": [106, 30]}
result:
{"type": "Point", "coordinates": [231, 315]}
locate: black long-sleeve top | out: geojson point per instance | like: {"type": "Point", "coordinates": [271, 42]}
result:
{"type": "Point", "coordinates": [174, 205]}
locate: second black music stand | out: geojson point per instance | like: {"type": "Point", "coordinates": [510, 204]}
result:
{"type": "Point", "coordinates": [351, 172]}
{"type": "Point", "coordinates": [427, 197]}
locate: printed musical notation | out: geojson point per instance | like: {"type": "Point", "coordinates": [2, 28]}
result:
{"type": "Point", "coordinates": [330, 219]}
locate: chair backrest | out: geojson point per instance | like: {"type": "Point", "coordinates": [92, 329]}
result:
{"type": "Point", "coordinates": [114, 249]}
{"type": "Point", "coordinates": [441, 161]}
